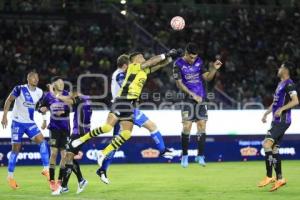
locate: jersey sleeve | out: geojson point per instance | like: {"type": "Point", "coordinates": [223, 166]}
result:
{"type": "Point", "coordinates": [291, 89]}
{"type": "Point", "coordinates": [176, 72]}
{"type": "Point", "coordinates": [120, 78]}
{"type": "Point", "coordinates": [16, 91]}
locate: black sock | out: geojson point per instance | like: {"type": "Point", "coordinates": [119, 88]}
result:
{"type": "Point", "coordinates": [61, 173]}
{"type": "Point", "coordinates": [52, 172]}
{"type": "Point", "coordinates": [201, 138]}
{"type": "Point", "coordinates": [269, 163]}
{"type": "Point", "coordinates": [185, 139]}
{"type": "Point", "coordinates": [67, 174]}
{"type": "Point", "coordinates": [277, 165]}
{"type": "Point", "coordinates": [77, 171]}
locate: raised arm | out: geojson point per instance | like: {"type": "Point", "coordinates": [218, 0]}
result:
{"type": "Point", "coordinates": [161, 65]}
{"type": "Point", "coordinates": [208, 76]}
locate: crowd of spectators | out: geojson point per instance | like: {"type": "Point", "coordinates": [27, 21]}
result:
{"type": "Point", "coordinates": [250, 42]}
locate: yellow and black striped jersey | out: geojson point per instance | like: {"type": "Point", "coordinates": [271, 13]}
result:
{"type": "Point", "coordinates": [134, 82]}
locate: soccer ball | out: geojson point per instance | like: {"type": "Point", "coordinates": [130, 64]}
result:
{"type": "Point", "coordinates": [177, 23]}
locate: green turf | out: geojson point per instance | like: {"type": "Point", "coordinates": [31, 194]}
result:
{"type": "Point", "coordinates": [221, 181]}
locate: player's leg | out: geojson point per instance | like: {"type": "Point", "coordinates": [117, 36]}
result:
{"type": "Point", "coordinates": [141, 120]}
{"type": "Point", "coordinates": [53, 156]}
{"type": "Point", "coordinates": [268, 145]}
{"type": "Point", "coordinates": [12, 164]}
{"type": "Point", "coordinates": [117, 141]}
{"type": "Point", "coordinates": [280, 181]}
{"type": "Point", "coordinates": [102, 171]}
{"type": "Point", "coordinates": [63, 186]}
{"type": "Point", "coordinates": [185, 139]}
{"type": "Point", "coordinates": [82, 183]}
{"type": "Point", "coordinates": [201, 138]}
{"type": "Point", "coordinates": [107, 127]}
{"type": "Point", "coordinates": [187, 114]}
{"type": "Point", "coordinates": [17, 131]}
{"type": "Point", "coordinates": [40, 140]}
{"type": "Point", "coordinates": [62, 165]}
{"type": "Point", "coordinates": [157, 138]}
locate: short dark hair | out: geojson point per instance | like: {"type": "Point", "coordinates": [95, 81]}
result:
{"type": "Point", "coordinates": [192, 48]}
{"type": "Point", "coordinates": [55, 78]}
{"type": "Point", "coordinates": [289, 65]}
{"type": "Point", "coordinates": [30, 73]}
{"type": "Point", "coordinates": [122, 60]}
{"type": "Point", "coordinates": [132, 55]}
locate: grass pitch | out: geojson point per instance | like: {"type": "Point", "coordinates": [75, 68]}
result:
{"type": "Point", "coordinates": [220, 181]}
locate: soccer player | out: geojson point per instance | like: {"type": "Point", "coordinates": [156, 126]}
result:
{"type": "Point", "coordinates": [59, 128]}
{"type": "Point", "coordinates": [81, 124]}
{"type": "Point", "coordinates": [124, 105]}
{"type": "Point", "coordinates": [139, 118]}
{"type": "Point", "coordinates": [285, 98]}
{"type": "Point", "coordinates": [190, 75]}
{"type": "Point", "coordinates": [26, 98]}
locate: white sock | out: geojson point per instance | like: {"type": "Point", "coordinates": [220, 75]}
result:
{"type": "Point", "coordinates": [46, 168]}
{"type": "Point", "coordinates": [10, 175]}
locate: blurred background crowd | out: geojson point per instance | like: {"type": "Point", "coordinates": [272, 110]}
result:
{"type": "Point", "coordinates": [71, 38]}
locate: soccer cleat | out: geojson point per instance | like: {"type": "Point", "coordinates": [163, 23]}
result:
{"type": "Point", "coordinates": [185, 161]}
{"type": "Point", "coordinates": [81, 186]}
{"type": "Point", "coordinates": [76, 143]}
{"type": "Point", "coordinates": [12, 183]}
{"type": "Point", "coordinates": [200, 160]}
{"type": "Point", "coordinates": [60, 190]}
{"type": "Point", "coordinates": [53, 185]}
{"type": "Point", "coordinates": [266, 181]}
{"type": "Point", "coordinates": [45, 173]}
{"type": "Point", "coordinates": [103, 176]}
{"type": "Point", "coordinates": [100, 158]}
{"type": "Point", "coordinates": [167, 153]}
{"type": "Point", "coordinates": [278, 184]}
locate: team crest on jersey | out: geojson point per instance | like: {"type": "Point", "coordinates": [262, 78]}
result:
{"type": "Point", "coordinates": [197, 64]}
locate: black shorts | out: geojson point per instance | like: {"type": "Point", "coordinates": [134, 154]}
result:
{"type": "Point", "coordinates": [124, 109]}
{"type": "Point", "coordinates": [193, 111]}
{"type": "Point", "coordinates": [277, 131]}
{"type": "Point", "coordinates": [58, 139]}
{"type": "Point", "coordinates": [70, 148]}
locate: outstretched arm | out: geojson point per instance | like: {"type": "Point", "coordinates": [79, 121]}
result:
{"type": "Point", "coordinates": [208, 76]}
{"type": "Point", "coordinates": [7, 104]}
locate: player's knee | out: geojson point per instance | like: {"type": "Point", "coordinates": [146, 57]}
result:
{"type": "Point", "coordinates": [106, 128]}
{"type": "Point", "coordinates": [126, 134]}
{"type": "Point", "coordinates": [187, 128]}
{"type": "Point", "coordinates": [151, 126]}
{"type": "Point", "coordinates": [267, 144]}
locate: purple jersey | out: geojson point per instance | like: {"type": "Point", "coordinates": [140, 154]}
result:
{"type": "Point", "coordinates": [191, 75]}
{"type": "Point", "coordinates": [282, 96]}
{"type": "Point", "coordinates": [60, 112]}
{"type": "Point", "coordinates": [82, 115]}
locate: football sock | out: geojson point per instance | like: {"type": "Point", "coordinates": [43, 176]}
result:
{"type": "Point", "coordinates": [12, 163]}
{"type": "Point", "coordinates": [117, 142]}
{"type": "Point", "coordinates": [77, 171]}
{"type": "Point", "coordinates": [201, 137]}
{"type": "Point", "coordinates": [185, 138]}
{"type": "Point", "coordinates": [44, 153]}
{"type": "Point", "coordinates": [269, 162]}
{"type": "Point", "coordinates": [52, 172]}
{"type": "Point", "coordinates": [156, 136]}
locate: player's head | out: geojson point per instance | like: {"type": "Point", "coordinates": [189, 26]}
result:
{"type": "Point", "coordinates": [58, 83]}
{"type": "Point", "coordinates": [33, 78]}
{"type": "Point", "coordinates": [136, 57]}
{"type": "Point", "coordinates": [191, 52]}
{"type": "Point", "coordinates": [285, 69]}
{"type": "Point", "coordinates": [123, 61]}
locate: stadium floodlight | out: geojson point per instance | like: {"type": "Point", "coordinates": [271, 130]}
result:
{"type": "Point", "coordinates": [123, 2]}
{"type": "Point", "coordinates": [123, 12]}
